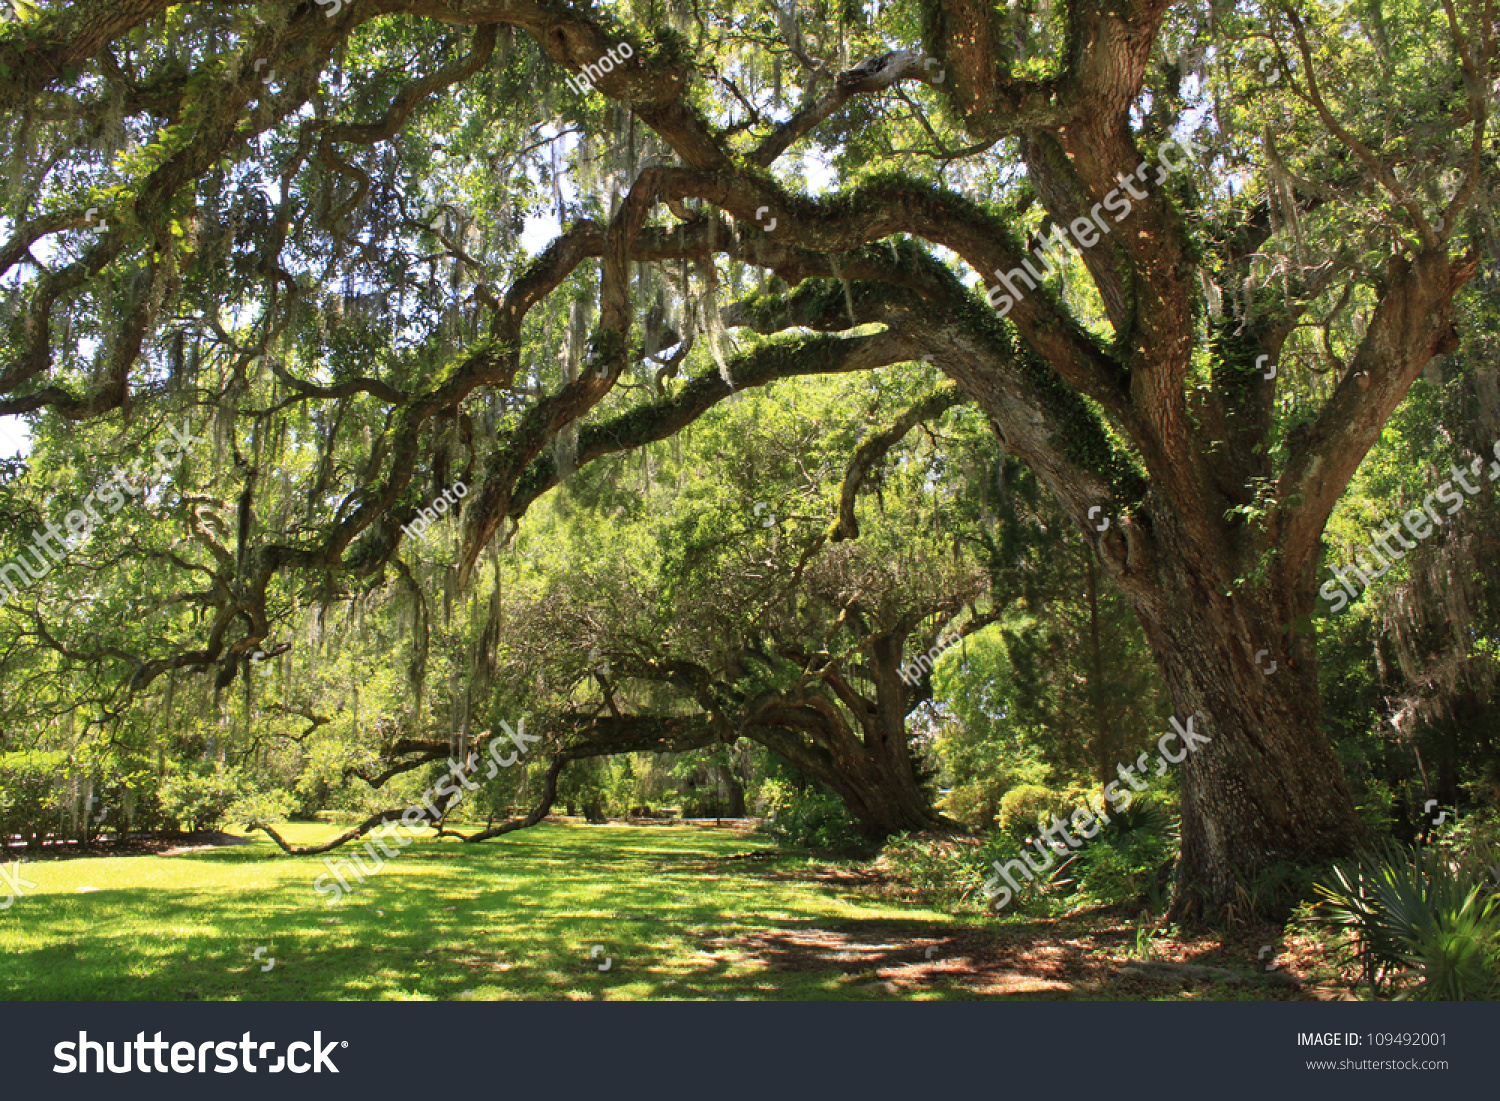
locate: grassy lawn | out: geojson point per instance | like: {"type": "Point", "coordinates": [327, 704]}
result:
{"type": "Point", "coordinates": [678, 912]}
{"type": "Point", "coordinates": [515, 918]}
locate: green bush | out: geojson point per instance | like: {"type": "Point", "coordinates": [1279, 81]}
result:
{"type": "Point", "coordinates": [975, 804]}
{"type": "Point", "coordinates": [1125, 860]}
{"type": "Point", "coordinates": [1128, 856]}
{"type": "Point", "coordinates": [810, 819]}
{"type": "Point", "coordinates": [198, 796]}
{"type": "Point", "coordinates": [584, 786]}
{"type": "Point", "coordinates": [1023, 808]}
{"type": "Point", "coordinates": [1116, 872]}
{"type": "Point", "coordinates": [1421, 912]}
{"type": "Point", "coordinates": [30, 799]}
{"type": "Point", "coordinates": [1040, 896]}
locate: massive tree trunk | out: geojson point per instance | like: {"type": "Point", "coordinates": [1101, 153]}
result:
{"type": "Point", "coordinates": [1266, 788]}
{"type": "Point", "coordinates": [881, 789]}
{"type": "Point", "coordinates": [856, 741]}
{"type": "Point", "coordinates": [874, 776]}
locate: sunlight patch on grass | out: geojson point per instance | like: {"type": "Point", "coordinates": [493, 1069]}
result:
{"type": "Point", "coordinates": [515, 918]}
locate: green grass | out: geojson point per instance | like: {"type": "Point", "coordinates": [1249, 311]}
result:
{"type": "Point", "coordinates": [512, 918]}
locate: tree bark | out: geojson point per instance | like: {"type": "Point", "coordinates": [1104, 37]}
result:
{"type": "Point", "coordinates": [1267, 787]}
{"type": "Point", "coordinates": [875, 781]}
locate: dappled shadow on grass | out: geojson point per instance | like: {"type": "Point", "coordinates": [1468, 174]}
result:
{"type": "Point", "coordinates": [693, 914]}
{"type": "Point", "coordinates": [438, 918]}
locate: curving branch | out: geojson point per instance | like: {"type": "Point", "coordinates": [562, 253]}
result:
{"type": "Point", "coordinates": [874, 449]}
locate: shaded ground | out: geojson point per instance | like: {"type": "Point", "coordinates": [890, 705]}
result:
{"type": "Point", "coordinates": [164, 843]}
{"type": "Point", "coordinates": [1089, 955]}
{"type": "Point", "coordinates": [1078, 958]}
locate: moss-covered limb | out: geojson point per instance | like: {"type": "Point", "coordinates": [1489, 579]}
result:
{"type": "Point", "coordinates": [34, 54]}
{"type": "Point", "coordinates": [582, 241]}
{"type": "Point", "coordinates": [411, 96]}
{"type": "Point", "coordinates": [1040, 416]}
{"type": "Point", "coordinates": [887, 206]}
{"type": "Point", "coordinates": [915, 293]}
{"type": "Point", "coordinates": [874, 449]}
{"type": "Point", "coordinates": [973, 44]}
{"type": "Point", "coordinates": [490, 361]}
{"type": "Point", "coordinates": [873, 75]}
{"type": "Point", "coordinates": [869, 283]}
{"type": "Point", "coordinates": [377, 512]}
{"type": "Point", "coordinates": [701, 238]}
{"type": "Point", "coordinates": [428, 752]}
{"type": "Point", "coordinates": [818, 304]}
{"type": "Point", "coordinates": [814, 355]}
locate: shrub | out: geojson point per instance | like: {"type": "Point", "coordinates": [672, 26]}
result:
{"type": "Point", "coordinates": [1128, 856]}
{"type": "Point", "coordinates": [1424, 912]}
{"type": "Point", "coordinates": [811, 819]}
{"type": "Point", "coordinates": [1023, 808]}
{"type": "Point", "coordinates": [199, 795]}
{"type": "Point", "coordinates": [584, 785]}
{"type": "Point", "coordinates": [1113, 872]}
{"type": "Point", "coordinates": [1037, 896]}
{"type": "Point", "coordinates": [30, 800]}
{"type": "Point", "coordinates": [975, 804]}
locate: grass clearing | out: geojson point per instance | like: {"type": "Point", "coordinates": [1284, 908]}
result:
{"type": "Point", "coordinates": [684, 911]}
{"type": "Point", "coordinates": [443, 920]}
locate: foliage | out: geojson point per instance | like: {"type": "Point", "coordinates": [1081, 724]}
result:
{"type": "Point", "coordinates": [254, 807]}
{"type": "Point", "coordinates": [940, 871]}
{"type": "Point", "coordinates": [584, 788]}
{"type": "Point", "coordinates": [29, 793]}
{"type": "Point", "coordinates": [1063, 687]}
{"type": "Point", "coordinates": [324, 310]}
{"type": "Point", "coordinates": [1023, 809]}
{"type": "Point", "coordinates": [811, 819]}
{"type": "Point", "coordinates": [1420, 911]}
{"type": "Point", "coordinates": [1128, 857]}
{"type": "Point", "coordinates": [199, 795]}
